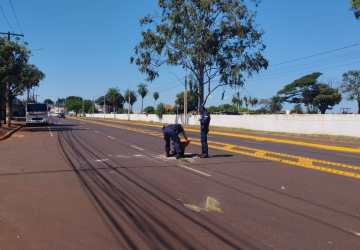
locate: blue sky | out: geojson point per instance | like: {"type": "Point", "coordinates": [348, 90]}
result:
{"type": "Point", "coordinates": [84, 46]}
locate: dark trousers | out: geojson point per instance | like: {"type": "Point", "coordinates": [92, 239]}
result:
{"type": "Point", "coordinates": [168, 137]}
{"type": "Point", "coordinates": [204, 143]}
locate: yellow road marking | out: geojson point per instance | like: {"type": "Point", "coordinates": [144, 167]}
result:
{"type": "Point", "coordinates": [267, 139]}
{"type": "Point", "coordinates": [293, 160]}
{"type": "Point", "coordinates": [211, 205]}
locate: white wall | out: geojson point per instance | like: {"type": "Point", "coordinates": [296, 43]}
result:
{"type": "Point", "coordinates": [347, 125]}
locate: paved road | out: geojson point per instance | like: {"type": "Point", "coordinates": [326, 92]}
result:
{"type": "Point", "coordinates": [82, 185]}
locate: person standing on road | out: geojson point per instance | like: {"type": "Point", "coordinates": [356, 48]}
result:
{"type": "Point", "coordinates": [204, 130]}
{"type": "Point", "coordinates": [171, 134]}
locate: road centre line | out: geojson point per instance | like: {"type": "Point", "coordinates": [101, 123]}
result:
{"type": "Point", "coordinates": [286, 159]}
{"type": "Point", "coordinates": [111, 137]}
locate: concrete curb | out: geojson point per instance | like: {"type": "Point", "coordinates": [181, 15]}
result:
{"type": "Point", "coordinates": [8, 134]}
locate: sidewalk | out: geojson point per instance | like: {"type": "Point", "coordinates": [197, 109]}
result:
{"type": "Point", "coordinates": [6, 131]}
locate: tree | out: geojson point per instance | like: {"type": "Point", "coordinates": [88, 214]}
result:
{"type": "Point", "coordinates": [297, 109]}
{"type": "Point", "coordinates": [156, 97]}
{"type": "Point", "coordinates": [192, 99]}
{"type": "Point", "coordinates": [326, 97]}
{"type": "Point", "coordinates": [253, 101]}
{"type": "Point", "coordinates": [74, 103]}
{"type": "Point", "coordinates": [315, 96]}
{"type": "Point", "coordinates": [48, 102]}
{"type": "Point", "coordinates": [31, 77]}
{"type": "Point", "coordinates": [237, 101]}
{"type": "Point", "coordinates": [13, 58]}
{"type": "Point", "coordinates": [143, 91]}
{"type": "Point", "coordinates": [301, 91]}
{"type": "Point", "coordinates": [149, 110]}
{"type": "Point", "coordinates": [272, 105]}
{"type": "Point", "coordinates": [351, 86]}
{"type": "Point", "coordinates": [160, 110]}
{"type": "Point", "coordinates": [60, 102]}
{"type": "Point", "coordinates": [355, 4]}
{"type": "Point", "coordinates": [88, 107]}
{"type": "Point", "coordinates": [115, 98]}
{"type": "Point", "coordinates": [130, 98]}
{"type": "Point", "coordinates": [216, 40]}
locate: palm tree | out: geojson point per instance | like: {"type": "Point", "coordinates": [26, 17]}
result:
{"type": "Point", "coordinates": [253, 101]}
{"type": "Point", "coordinates": [143, 91]}
{"type": "Point", "coordinates": [156, 97]}
{"type": "Point", "coordinates": [115, 98]}
{"type": "Point", "coordinates": [130, 98]}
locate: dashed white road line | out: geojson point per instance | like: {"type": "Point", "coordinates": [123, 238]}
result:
{"type": "Point", "coordinates": [138, 155]}
{"type": "Point", "coordinates": [137, 147]}
{"type": "Point", "coordinates": [101, 160]}
{"type": "Point", "coordinates": [111, 137]}
{"type": "Point", "coordinates": [194, 170]}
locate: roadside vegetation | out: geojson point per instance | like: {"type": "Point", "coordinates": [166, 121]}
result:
{"type": "Point", "coordinates": [17, 76]}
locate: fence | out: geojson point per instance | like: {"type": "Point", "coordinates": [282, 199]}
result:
{"type": "Point", "coordinates": [330, 124]}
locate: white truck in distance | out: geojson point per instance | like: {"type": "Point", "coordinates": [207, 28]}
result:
{"type": "Point", "coordinates": [36, 114]}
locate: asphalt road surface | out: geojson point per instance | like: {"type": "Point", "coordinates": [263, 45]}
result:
{"type": "Point", "coordinates": [90, 185]}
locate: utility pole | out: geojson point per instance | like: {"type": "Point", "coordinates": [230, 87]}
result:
{"type": "Point", "coordinates": [9, 35]}
{"type": "Point", "coordinates": [104, 105]}
{"type": "Point", "coordinates": [83, 107]}
{"type": "Point", "coordinates": [129, 99]}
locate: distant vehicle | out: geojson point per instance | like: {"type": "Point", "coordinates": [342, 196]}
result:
{"type": "Point", "coordinates": [36, 113]}
{"type": "Point", "coordinates": [61, 115]}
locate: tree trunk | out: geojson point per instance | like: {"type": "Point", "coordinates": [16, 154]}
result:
{"type": "Point", "coordinates": [142, 105]}
{"type": "Point", "coordinates": [201, 89]}
{"type": "Point", "coordinates": [8, 105]}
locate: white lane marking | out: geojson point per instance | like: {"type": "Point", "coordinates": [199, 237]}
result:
{"type": "Point", "coordinates": [51, 134]}
{"type": "Point", "coordinates": [356, 233]}
{"type": "Point", "coordinates": [137, 148]}
{"type": "Point", "coordinates": [111, 138]}
{"type": "Point", "coordinates": [194, 170]}
{"type": "Point", "coordinates": [97, 131]}
{"type": "Point", "coordinates": [138, 155]}
{"type": "Point", "coordinates": [101, 160]}
{"type": "Point", "coordinates": [123, 156]}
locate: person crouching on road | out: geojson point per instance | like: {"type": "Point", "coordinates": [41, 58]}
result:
{"type": "Point", "coordinates": [204, 130]}
{"type": "Point", "coordinates": [171, 134]}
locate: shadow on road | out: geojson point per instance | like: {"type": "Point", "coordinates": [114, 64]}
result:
{"type": "Point", "coordinates": [142, 215]}
{"type": "Point", "coordinates": [52, 128]}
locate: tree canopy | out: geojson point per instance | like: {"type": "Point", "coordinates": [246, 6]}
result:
{"type": "Point", "coordinates": [48, 102]}
{"type": "Point", "coordinates": [156, 96]}
{"type": "Point", "coordinates": [216, 40]}
{"type": "Point", "coordinates": [315, 96]}
{"type": "Point", "coordinates": [16, 74]}
{"type": "Point", "coordinates": [114, 97]}
{"type": "Point", "coordinates": [355, 4]}
{"type": "Point", "coordinates": [143, 91]}
{"type": "Point", "coordinates": [73, 103]}
{"type": "Point", "coordinates": [130, 98]}
{"type": "Point", "coordinates": [351, 86]}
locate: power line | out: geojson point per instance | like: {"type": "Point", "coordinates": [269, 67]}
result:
{"type": "Point", "coordinates": [5, 17]}
{"type": "Point", "coordinates": [317, 54]}
{"type": "Point", "coordinates": [15, 15]}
